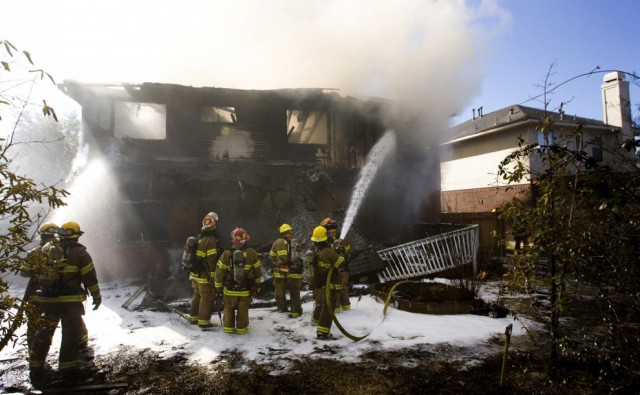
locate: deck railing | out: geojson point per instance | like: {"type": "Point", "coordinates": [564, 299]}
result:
{"type": "Point", "coordinates": [431, 255]}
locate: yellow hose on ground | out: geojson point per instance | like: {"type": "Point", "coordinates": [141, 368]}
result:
{"type": "Point", "coordinates": [386, 303]}
{"type": "Point", "coordinates": [332, 310]}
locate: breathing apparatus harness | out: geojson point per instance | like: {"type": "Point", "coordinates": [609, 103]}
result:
{"type": "Point", "coordinates": [190, 262]}
{"type": "Point", "coordinates": [49, 282]}
{"type": "Point", "coordinates": [49, 277]}
{"type": "Point", "coordinates": [237, 281]}
{"type": "Point", "coordinates": [294, 255]}
{"type": "Point", "coordinates": [189, 253]}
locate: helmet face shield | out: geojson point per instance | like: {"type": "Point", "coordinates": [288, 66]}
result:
{"type": "Point", "coordinates": [67, 233]}
{"type": "Point", "coordinates": [209, 221]}
{"type": "Point", "coordinates": [70, 230]}
{"type": "Point", "coordinates": [49, 229]}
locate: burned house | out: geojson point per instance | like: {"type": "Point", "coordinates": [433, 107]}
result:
{"type": "Point", "coordinates": [257, 158]}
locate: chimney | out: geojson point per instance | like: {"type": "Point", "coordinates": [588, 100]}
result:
{"type": "Point", "coordinates": [616, 103]}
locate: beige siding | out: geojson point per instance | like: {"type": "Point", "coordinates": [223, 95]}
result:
{"type": "Point", "coordinates": [477, 171]}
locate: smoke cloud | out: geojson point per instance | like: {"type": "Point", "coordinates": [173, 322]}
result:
{"type": "Point", "coordinates": [427, 55]}
{"type": "Point", "coordinates": [427, 52]}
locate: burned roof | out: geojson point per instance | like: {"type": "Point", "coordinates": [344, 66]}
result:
{"type": "Point", "coordinates": [256, 157]}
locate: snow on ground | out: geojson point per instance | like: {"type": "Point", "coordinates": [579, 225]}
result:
{"type": "Point", "coordinates": [273, 336]}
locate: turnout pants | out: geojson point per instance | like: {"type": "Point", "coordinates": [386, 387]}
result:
{"type": "Point", "coordinates": [201, 303]}
{"type": "Point", "coordinates": [41, 330]}
{"type": "Point", "coordinates": [236, 314]}
{"type": "Point", "coordinates": [345, 303]}
{"type": "Point", "coordinates": [321, 312]}
{"type": "Point", "coordinates": [282, 285]}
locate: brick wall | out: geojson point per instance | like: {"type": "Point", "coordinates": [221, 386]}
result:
{"type": "Point", "coordinates": [480, 200]}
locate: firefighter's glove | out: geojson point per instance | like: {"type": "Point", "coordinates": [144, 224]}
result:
{"type": "Point", "coordinates": [218, 304]}
{"type": "Point", "coordinates": [254, 290]}
{"type": "Point", "coordinates": [97, 301]}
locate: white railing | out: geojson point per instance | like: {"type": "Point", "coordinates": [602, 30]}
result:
{"type": "Point", "coordinates": [431, 255]}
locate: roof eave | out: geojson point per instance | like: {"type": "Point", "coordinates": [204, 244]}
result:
{"type": "Point", "coordinates": [492, 130]}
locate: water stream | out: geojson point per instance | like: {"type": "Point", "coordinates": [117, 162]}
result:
{"type": "Point", "coordinates": [375, 158]}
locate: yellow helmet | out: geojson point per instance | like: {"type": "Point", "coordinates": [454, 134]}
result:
{"type": "Point", "coordinates": [70, 230]}
{"type": "Point", "coordinates": [319, 234]}
{"type": "Point", "coordinates": [49, 229]}
{"type": "Point", "coordinates": [284, 228]}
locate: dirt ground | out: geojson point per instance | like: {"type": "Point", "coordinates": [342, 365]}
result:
{"type": "Point", "coordinates": [407, 371]}
{"type": "Point", "coordinates": [428, 369]}
{"type": "Point", "coordinates": [437, 369]}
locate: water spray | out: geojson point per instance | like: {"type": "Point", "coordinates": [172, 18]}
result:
{"type": "Point", "coordinates": [375, 158]}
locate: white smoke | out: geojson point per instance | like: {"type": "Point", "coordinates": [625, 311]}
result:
{"type": "Point", "coordinates": [91, 203]}
{"type": "Point", "coordinates": [427, 55]}
{"type": "Point", "coordinates": [428, 52]}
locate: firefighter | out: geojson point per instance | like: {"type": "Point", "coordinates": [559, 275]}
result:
{"type": "Point", "coordinates": [237, 278]}
{"type": "Point", "coordinates": [60, 296]}
{"type": "Point", "coordinates": [324, 259]}
{"type": "Point", "coordinates": [35, 264]}
{"type": "Point", "coordinates": [287, 274]}
{"type": "Point", "coordinates": [202, 273]}
{"type": "Point", "coordinates": [342, 247]}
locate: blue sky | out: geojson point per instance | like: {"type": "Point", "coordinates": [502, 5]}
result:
{"type": "Point", "coordinates": [576, 35]}
{"type": "Point", "coordinates": [443, 57]}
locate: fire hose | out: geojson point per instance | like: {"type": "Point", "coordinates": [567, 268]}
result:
{"type": "Point", "coordinates": [388, 300]}
{"type": "Point", "coordinates": [332, 311]}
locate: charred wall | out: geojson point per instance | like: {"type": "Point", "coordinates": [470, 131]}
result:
{"type": "Point", "coordinates": [248, 155]}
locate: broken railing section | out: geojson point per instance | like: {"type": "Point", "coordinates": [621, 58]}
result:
{"type": "Point", "coordinates": [432, 254]}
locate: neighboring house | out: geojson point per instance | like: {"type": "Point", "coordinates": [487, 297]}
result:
{"type": "Point", "coordinates": [470, 160]}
